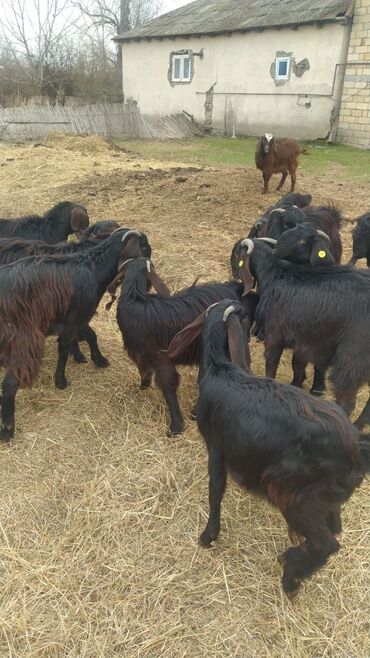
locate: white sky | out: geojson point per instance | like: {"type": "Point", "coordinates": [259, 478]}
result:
{"type": "Point", "coordinates": [168, 5]}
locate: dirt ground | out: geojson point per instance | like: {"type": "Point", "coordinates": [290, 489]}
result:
{"type": "Point", "coordinates": [99, 510]}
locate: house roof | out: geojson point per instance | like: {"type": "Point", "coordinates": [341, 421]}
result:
{"type": "Point", "coordinates": [220, 16]}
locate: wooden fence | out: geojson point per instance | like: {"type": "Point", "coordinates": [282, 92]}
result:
{"type": "Point", "coordinates": [113, 121]}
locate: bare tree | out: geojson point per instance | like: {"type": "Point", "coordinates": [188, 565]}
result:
{"type": "Point", "coordinates": [118, 16]}
{"type": "Point", "coordinates": [35, 31]}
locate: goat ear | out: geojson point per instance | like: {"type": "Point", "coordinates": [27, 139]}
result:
{"type": "Point", "coordinates": [245, 275]}
{"type": "Point", "coordinates": [239, 352]}
{"type": "Point", "coordinates": [79, 219]}
{"type": "Point", "coordinates": [158, 283]}
{"type": "Point", "coordinates": [112, 288]}
{"type": "Point", "coordinates": [183, 338]}
{"type": "Point", "coordinates": [320, 254]}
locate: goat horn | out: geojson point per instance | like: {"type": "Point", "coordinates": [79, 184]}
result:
{"type": "Point", "coordinates": [249, 244]}
{"type": "Point", "coordinates": [323, 235]}
{"type": "Point", "coordinates": [228, 311]}
{"type": "Point", "coordinates": [128, 234]}
{"type": "Point", "coordinates": [269, 240]}
{"type": "Point", "coordinates": [125, 263]}
{"type": "Point", "coordinates": [211, 306]}
{"type": "Point", "coordinates": [281, 210]}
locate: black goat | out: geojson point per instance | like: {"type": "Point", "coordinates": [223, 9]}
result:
{"type": "Point", "coordinates": [58, 294]}
{"type": "Point", "coordinates": [361, 239]}
{"type": "Point", "coordinates": [283, 218]}
{"type": "Point", "coordinates": [56, 225]}
{"type": "Point", "coordinates": [322, 313]}
{"type": "Point", "coordinates": [292, 199]}
{"type": "Point", "coordinates": [300, 453]}
{"type": "Point", "coordinates": [305, 245]}
{"type": "Point", "coordinates": [12, 250]}
{"type": "Point", "coordinates": [324, 218]}
{"type": "Point", "coordinates": [148, 322]}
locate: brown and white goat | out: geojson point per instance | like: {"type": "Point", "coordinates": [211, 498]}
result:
{"type": "Point", "coordinates": [277, 156]}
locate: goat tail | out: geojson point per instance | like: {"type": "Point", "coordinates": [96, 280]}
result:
{"type": "Point", "coordinates": [364, 445]}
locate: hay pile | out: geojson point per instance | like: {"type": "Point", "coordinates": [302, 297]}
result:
{"type": "Point", "coordinates": [100, 511]}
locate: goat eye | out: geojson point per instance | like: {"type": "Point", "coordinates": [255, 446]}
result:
{"type": "Point", "coordinates": [301, 242]}
{"type": "Point", "coordinates": [241, 263]}
{"type": "Point", "coordinates": [321, 253]}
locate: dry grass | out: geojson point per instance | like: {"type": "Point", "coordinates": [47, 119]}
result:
{"type": "Point", "coordinates": [100, 511]}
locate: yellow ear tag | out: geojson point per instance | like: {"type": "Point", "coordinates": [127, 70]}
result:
{"type": "Point", "coordinates": [241, 263]}
{"type": "Point", "coordinates": [322, 254]}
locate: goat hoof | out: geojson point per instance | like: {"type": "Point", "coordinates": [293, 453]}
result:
{"type": "Point", "coordinates": [61, 384]}
{"type": "Point", "coordinates": [172, 433]}
{"type": "Point", "coordinates": [291, 586]}
{"type": "Point", "coordinates": [101, 362]}
{"type": "Point", "coordinates": [205, 540]}
{"type": "Point", "coordinates": [316, 392]}
{"type": "Point", "coordinates": [6, 433]}
{"type": "Point", "coordinates": [293, 593]}
{"type": "Point", "coordinates": [80, 358]}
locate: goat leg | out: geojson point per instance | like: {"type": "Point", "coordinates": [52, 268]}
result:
{"type": "Point", "coordinates": [293, 179]}
{"type": "Point", "coordinates": [77, 354]}
{"type": "Point", "coordinates": [167, 379]}
{"type": "Point", "coordinates": [272, 358]}
{"type": "Point", "coordinates": [364, 417]}
{"type": "Point", "coordinates": [266, 180]}
{"type": "Point", "coordinates": [334, 520]}
{"type": "Point", "coordinates": [283, 179]}
{"type": "Point", "coordinates": [304, 560]}
{"type": "Point", "coordinates": [318, 384]}
{"type": "Point", "coordinates": [146, 373]}
{"type": "Point", "coordinates": [217, 483]}
{"type": "Point", "coordinates": [9, 390]}
{"type": "Point", "coordinates": [88, 334]}
{"type": "Point", "coordinates": [64, 348]}
{"type": "Point", "coordinates": [299, 370]}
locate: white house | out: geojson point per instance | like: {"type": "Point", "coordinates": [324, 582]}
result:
{"type": "Point", "coordinates": [248, 65]}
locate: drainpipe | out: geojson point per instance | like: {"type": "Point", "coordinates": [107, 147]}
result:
{"type": "Point", "coordinates": [339, 83]}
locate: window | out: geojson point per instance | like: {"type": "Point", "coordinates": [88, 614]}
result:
{"type": "Point", "coordinates": [282, 68]}
{"type": "Point", "coordinates": [181, 68]}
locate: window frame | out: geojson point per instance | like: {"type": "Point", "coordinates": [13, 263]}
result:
{"type": "Point", "coordinates": [181, 59]}
{"type": "Point", "coordinates": [279, 60]}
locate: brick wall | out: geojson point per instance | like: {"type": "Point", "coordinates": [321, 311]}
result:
{"type": "Point", "coordinates": [354, 118]}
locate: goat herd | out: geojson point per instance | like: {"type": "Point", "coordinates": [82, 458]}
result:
{"type": "Point", "coordinates": [300, 452]}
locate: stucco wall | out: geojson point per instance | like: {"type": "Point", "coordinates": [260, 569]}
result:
{"type": "Point", "coordinates": [244, 93]}
{"type": "Point", "coordinates": [354, 120]}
